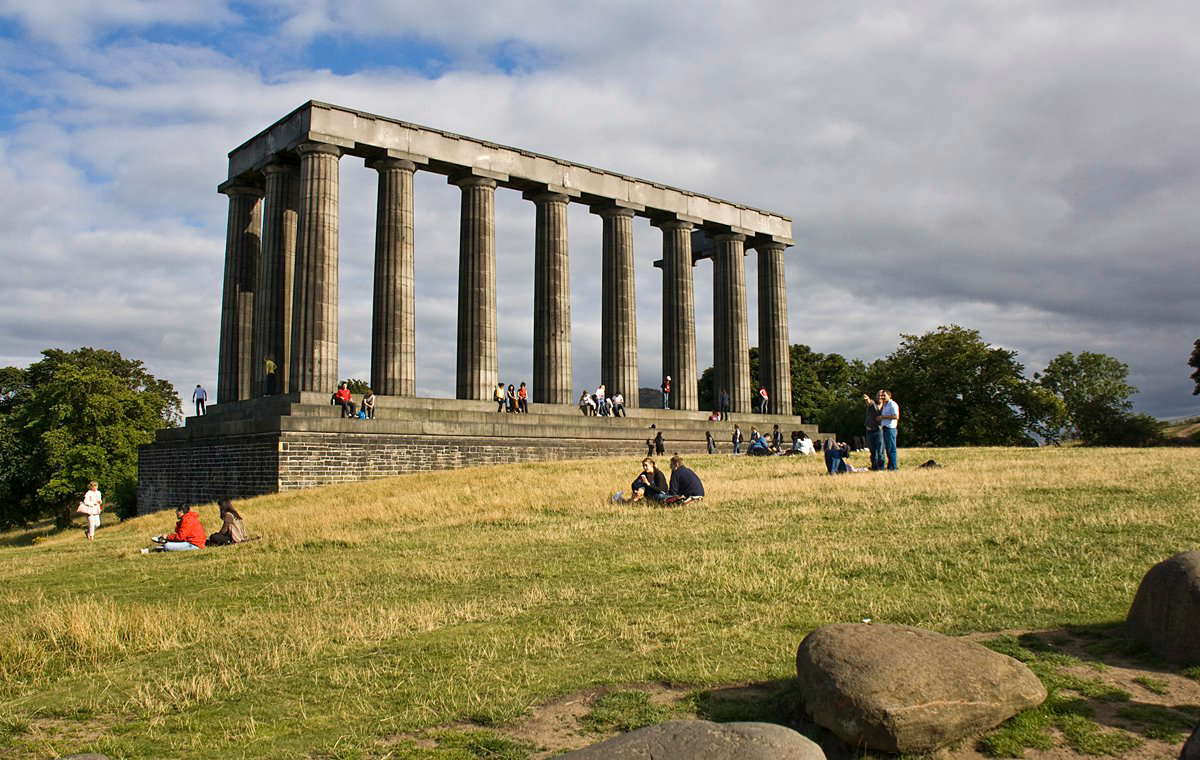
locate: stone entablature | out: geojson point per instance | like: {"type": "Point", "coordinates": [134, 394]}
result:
{"type": "Point", "coordinates": [371, 136]}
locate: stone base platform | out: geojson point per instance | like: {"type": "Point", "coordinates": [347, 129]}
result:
{"type": "Point", "coordinates": [298, 440]}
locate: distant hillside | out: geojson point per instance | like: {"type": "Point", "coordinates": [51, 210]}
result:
{"type": "Point", "coordinates": [1186, 429]}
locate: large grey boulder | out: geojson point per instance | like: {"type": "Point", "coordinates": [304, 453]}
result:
{"type": "Point", "coordinates": [692, 739]}
{"type": "Point", "coordinates": [1191, 749]}
{"type": "Point", "coordinates": [901, 689]}
{"type": "Point", "coordinates": [1165, 615]}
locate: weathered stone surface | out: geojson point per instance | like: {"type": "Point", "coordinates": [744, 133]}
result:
{"type": "Point", "coordinates": [690, 739]}
{"type": "Point", "coordinates": [902, 689]}
{"type": "Point", "coordinates": [1191, 749]}
{"type": "Point", "coordinates": [1166, 610]}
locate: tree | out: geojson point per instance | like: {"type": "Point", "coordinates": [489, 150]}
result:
{"type": "Point", "coordinates": [1194, 361]}
{"type": "Point", "coordinates": [1094, 390]}
{"type": "Point", "coordinates": [357, 386]}
{"type": "Point", "coordinates": [954, 389]}
{"type": "Point", "coordinates": [70, 418]}
{"type": "Point", "coordinates": [817, 380]}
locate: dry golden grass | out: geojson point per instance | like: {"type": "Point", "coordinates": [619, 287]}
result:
{"type": "Point", "coordinates": [379, 607]}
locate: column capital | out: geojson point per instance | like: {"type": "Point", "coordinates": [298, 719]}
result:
{"type": "Point", "coordinates": [240, 186]}
{"type": "Point", "coordinates": [545, 196]}
{"type": "Point", "coordinates": [383, 164]}
{"type": "Point", "coordinates": [279, 165]}
{"type": "Point", "coordinates": [768, 243]}
{"type": "Point", "coordinates": [673, 224]}
{"type": "Point", "coordinates": [729, 237]}
{"type": "Point", "coordinates": [311, 146]}
{"type": "Point", "coordinates": [472, 180]}
{"type": "Point", "coordinates": [467, 175]}
{"type": "Point", "coordinates": [616, 208]}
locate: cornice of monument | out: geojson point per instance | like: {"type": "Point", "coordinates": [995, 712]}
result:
{"type": "Point", "coordinates": [359, 133]}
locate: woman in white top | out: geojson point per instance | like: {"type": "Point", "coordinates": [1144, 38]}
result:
{"type": "Point", "coordinates": [91, 506]}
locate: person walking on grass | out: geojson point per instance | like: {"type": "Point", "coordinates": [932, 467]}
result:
{"type": "Point", "coordinates": [889, 420]}
{"type": "Point", "coordinates": [91, 506]}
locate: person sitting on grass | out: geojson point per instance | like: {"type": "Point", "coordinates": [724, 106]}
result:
{"type": "Point", "coordinates": [233, 530]}
{"type": "Point", "coordinates": [837, 459]}
{"type": "Point", "coordinates": [685, 484]}
{"type": "Point", "coordinates": [188, 535]}
{"type": "Point", "coordinates": [650, 483]}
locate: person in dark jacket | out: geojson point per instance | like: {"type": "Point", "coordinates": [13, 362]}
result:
{"type": "Point", "coordinates": [684, 482]}
{"type": "Point", "coordinates": [709, 442]}
{"type": "Point", "coordinates": [650, 483]}
{"type": "Point", "coordinates": [660, 446]}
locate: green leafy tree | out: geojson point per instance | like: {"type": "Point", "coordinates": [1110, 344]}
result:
{"type": "Point", "coordinates": [70, 418]}
{"type": "Point", "coordinates": [1194, 361]}
{"type": "Point", "coordinates": [817, 380]}
{"type": "Point", "coordinates": [955, 389]}
{"type": "Point", "coordinates": [1094, 390]}
{"type": "Point", "coordinates": [356, 385]}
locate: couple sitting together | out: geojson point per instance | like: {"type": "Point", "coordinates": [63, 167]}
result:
{"type": "Point", "coordinates": [652, 484]}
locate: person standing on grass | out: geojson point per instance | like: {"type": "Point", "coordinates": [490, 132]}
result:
{"type": "Point", "coordinates": [874, 436]}
{"type": "Point", "coordinates": [709, 442]}
{"type": "Point", "coordinates": [91, 506]}
{"type": "Point", "coordinates": [889, 419]}
{"type": "Point", "coordinates": [737, 439]}
{"type": "Point", "coordinates": [199, 396]}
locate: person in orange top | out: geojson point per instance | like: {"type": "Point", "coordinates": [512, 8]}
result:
{"type": "Point", "coordinates": [189, 533]}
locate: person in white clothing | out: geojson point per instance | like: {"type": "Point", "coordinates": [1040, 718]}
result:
{"type": "Point", "coordinates": [91, 506]}
{"type": "Point", "coordinates": [889, 419]}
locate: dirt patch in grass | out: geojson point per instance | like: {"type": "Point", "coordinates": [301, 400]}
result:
{"type": "Point", "coordinates": [1108, 698]}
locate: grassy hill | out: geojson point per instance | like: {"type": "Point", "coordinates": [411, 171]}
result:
{"type": "Point", "coordinates": [371, 612]}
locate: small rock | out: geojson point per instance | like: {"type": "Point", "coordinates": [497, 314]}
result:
{"type": "Point", "coordinates": [901, 689]}
{"type": "Point", "coordinates": [1166, 610]}
{"type": "Point", "coordinates": [691, 739]}
{"type": "Point", "coordinates": [1191, 750]}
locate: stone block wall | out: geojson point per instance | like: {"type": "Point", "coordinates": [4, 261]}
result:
{"type": "Point", "coordinates": [198, 471]}
{"type": "Point", "coordinates": [307, 459]}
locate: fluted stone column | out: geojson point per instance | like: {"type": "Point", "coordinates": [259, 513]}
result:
{"type": "Point", "coordinates": [242, 242]}
{"type": "Point", "coordinates": [679, 324]}
{"type": "Point", "coordinates": [276, 267]}
{"type": "Point", "coordinates": [551, 301]}
{"type": "Point", "coordinates": [618, 318]}
{"type": "Point", "coordinates": [393, 326]}
{"type": "Point", "coordinates": [477, 367]}
{"type": "Point", "coordinates": [315, 298]}
{"type": "Point", "coordinates": [774, 361]}
{"type": "Point", "coordinates": [731, 343]}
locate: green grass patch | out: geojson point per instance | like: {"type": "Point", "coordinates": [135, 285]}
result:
{"type": "Point", "coordinates": [486, 745]}
{"type": "Point", "coordinates": [624, 711]}
{"type": "Point", "coordinates": [1159, 722]}
{"type": "Point", "coordinates": [1086, 737]}
{"type": "Point", "coordinates": [1153, 685]}
{"type": "Point", "coordinates": [1192, 672]}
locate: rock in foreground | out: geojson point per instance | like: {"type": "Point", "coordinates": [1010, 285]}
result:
{"type": "Point", "coordinates": [1165, 615]}
{"type": "Point", "coordinates": [1191, 749]}
{"type": "Point", "coordinates": [901, 689]}
{"type": "Point", "coordinates": [690, 739]}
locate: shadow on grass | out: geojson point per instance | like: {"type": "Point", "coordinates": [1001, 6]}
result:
{"type": "Point", "coordinates": [31, 535]}
{"type": "Point", "coordinates": [1093, 710]}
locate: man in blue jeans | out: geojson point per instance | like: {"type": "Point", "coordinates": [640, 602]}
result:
{"type": "Point", "coordinates": [889, 418]}
{"type": "Point", "coordinates": [874, 437]}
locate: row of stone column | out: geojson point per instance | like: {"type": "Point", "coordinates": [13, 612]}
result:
{"type": "Point", "coordinates": [279, 303]}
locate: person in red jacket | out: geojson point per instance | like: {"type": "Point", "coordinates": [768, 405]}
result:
{"type": "Point", "coordinates": [189, 533]}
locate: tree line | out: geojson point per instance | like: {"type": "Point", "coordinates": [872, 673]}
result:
{"type": "Point", "coordinates": [956, 389]}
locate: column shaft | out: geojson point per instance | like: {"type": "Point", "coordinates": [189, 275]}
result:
{"type": "Point", "coordinates": [731, 343]}
{"type": "Point", "coordinates": [618, 319]}
{"type": "Point", "coordinates": [679, 324]}
{"type": "Point", "coordinates": [551, 302]}
{"type": "Point", "coordinates": [393, 326]}
{"type": "Point", "coordinates": [276, 267]}
{"type": "Point", "coordinates": [774, 360]}
{"type": "Point", "coordinates": [242, 242]}
{"type": "Point", "coordinates": [315, 298]}
{"type": "Point", "coordinates": [477, 367]}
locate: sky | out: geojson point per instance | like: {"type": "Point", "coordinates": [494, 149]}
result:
{"type": "Point", "coordinates": [1028, 169]}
